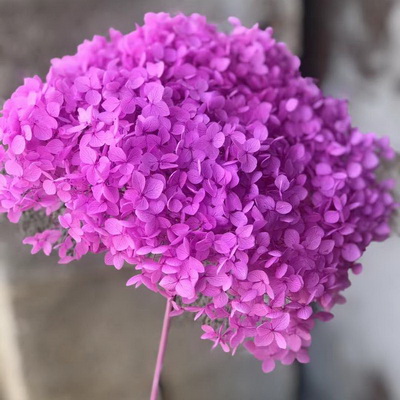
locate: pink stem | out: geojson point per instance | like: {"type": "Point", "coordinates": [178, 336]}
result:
{"type": "Point", "coordinates": [161, 351]}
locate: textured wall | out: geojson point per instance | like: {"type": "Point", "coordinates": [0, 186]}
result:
{"type": "Point", "coordinates": [356, 355]}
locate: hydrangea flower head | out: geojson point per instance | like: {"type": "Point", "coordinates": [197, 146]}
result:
{"type": "Point", "coordinates": [208, 164]}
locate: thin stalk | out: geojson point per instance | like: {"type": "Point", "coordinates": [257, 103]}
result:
{"type": "Point", "coordinates": [161, 351]}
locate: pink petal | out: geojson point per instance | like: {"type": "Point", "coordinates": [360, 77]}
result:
{"type": "Point", "coordinates": [295, 283]}
{"type": "Point", "coordinates": [220, 63]}
{"type": "Point", "coordinates": [183, 250]}
{"type": "Point", "coordinates": [239, 270]}
{"type": "Point", "coordinates": [220, 300]}
{"type": "Point", "coordinates": [42, 132]}
{"type": "Point", "coordinates": [18, 145]}
{"type": "Point", "coordinates": [326, 247]}
{"type": "Point", "coordinates": [218, 140]}
{"type": "Point", "coordinates": [305, 312]}
{"type": "Point", "coordinates": [258, 276]}
{"type": "Point", "coordinates": [351, 252]}
{"type": "Point", "coordinates": [252, 145]}
{"type": "Point", "coordinates": [184, 288]}
{"type": "Point", "coordinates": [249, 295]}
{"type": "Point", "coordinates": [111, 104]}
{"type": "Point", "coordinates": [291, 104]}
{"type": "Point", "coordinates": [195, 264]}
{"type": "Point", "coordinates": [55, 146]}
{"type": "Point", "coordinates": [155, 69]}
{"type": "Point", "coordinates": [331, 217]}
{"type": "Point", "coordinates": [248, 163]}
{"type": "Point", "coordinates": [116, 154]}
{"type": "Point", "coordinates": [283, 207]}
{"type": "Point", "coordinates": [280, 340]}
{"type": "Point", "coordinates": [88, 155]}
{"type": "Point", "coordinates": [32, 173]}
{"type": "Point", "coordinates": [154, 92]}
{"type": "Point", "coordinates": [282, 183]}
{"type": "Point", "coordinates": [138, 181]}
{"type": "Point", "coordinates": [113, 226]}
{"type": "Point", "coordinates": [153, 189]}
{"type": "Point", "coordinates": [281, 270]}
{"type": "Point", "coordinates": [264, 340]}
{"type": "Point", "coordinates": [281, 323]}
{"type": "Point", "coordinates": [238, 219]}
{"type": "Point", "coordinates": [53, 109]}
{"type": "Point", "coordinates": [120, 242]}
{"type": "Point", "coordinates": [221, 247]}
{"type": "Point", "coordinates": [268, 365]}
{"type": "Point", "coordinates": [93, 97]}
{"type": "Point", "coordinates": [13, 168]}
{"type": "Point", "coordinates": [354, 170]}
{"type": "Point", "coordinates": [49, 187]}
{"type": "Point", "coordinates": [135, 280]}
{"type": "Point", "coordinates": [82, 84]}
{"type": "Point", "coordinates": [292, 238]}
{"type": "Point", "coordinates": [313, 238]}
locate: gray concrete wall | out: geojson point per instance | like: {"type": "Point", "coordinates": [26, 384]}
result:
{"type": "Point", "coordinates": [356, 356]}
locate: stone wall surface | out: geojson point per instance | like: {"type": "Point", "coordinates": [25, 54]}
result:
{"type": "Point", "coordinates": [356, 356]}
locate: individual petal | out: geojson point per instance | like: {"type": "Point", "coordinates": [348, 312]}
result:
{"type": "Point", "coordinates": [154, 92]}
{"type": "Point", "coordinates": [116, 154]}
{"type": "Point", "coordinates": [13, 168]}
{"type": "Point", "coordinates": [280, 340]}
{"type": "Point", "coordinates": [268, 365]}
{"type": "Point", "coordinates": [238, 219]}
{"type": "Point", "coordinates": [138, 181]}
{"type": "Point", "coordinates": [88, 155]}
{"type": "Point", "coordinates": [283, 207]}
{"type": "Point", "coordinates": [292, 238]}
{"type": "Point", "coordinates": [155, 69]}
{"type": "Point", "coordinates": [281, 323]}
{"type": "Point", "coordinates": [304, 312]}
{"type": "Point", "coordinates": [153, 188]}
{"type": "Point", "coordinates": [221, 300]}
{"type": "Point", "coordinates": [49, 187]}
{"type": "Point", "coordinates": [42, 132]}
{"type": "Point", "coordinates": [331, 217]}
{"type": "Point", "coordinates": [93, 97]}
{"type": "Point", "coordinates": [351, 252]}
{"type": "Point", "coordinates": [252, 145]}
{"type": "Point", "coordinates": [113, 226]}
{"type": "Point", "coordinates": [18, 145]}
{"type": "Point", "coordinates": [183, 250]}
{"type": "Point", "coordinates": [282, 183]}
{"type": "Point", "coordinates": [295, 283]}
{"type": "Point", "coordinates": [248, 163]}
{"type": "Point", "coordinates": [184, 288]}
{"type": "Point", "coordinates": [82, 84]}
{"type": "Point", "coordinates": [220, 63]}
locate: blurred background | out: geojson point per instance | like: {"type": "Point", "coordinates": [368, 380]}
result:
{"type": "Point", "coordinates": [76, 333]}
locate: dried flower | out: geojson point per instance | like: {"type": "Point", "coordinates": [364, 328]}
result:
{"type": "Point", "coordinates": [210, 164]}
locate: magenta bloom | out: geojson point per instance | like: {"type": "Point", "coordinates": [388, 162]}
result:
{"type": "Point", "coordinates": [208, 164]}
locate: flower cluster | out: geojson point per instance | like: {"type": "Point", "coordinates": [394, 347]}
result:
{"type": "Point", "coordinates": [206, 161]}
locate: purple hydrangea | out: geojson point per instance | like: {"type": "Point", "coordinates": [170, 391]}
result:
{"type": "Point", "coordinates": [207, 163]}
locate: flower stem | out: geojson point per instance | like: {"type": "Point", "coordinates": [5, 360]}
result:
{"type": "Point", "coordinates": [161, 351]}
